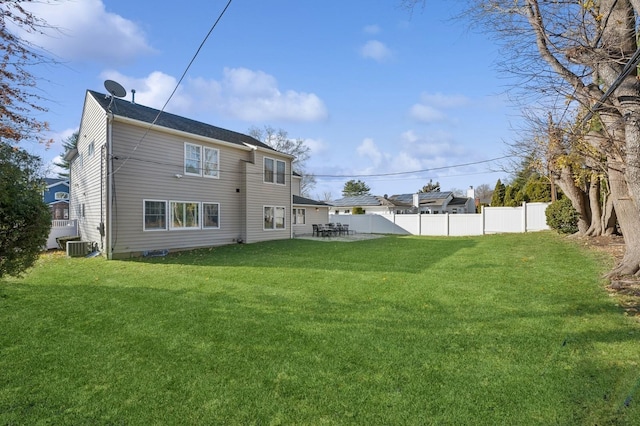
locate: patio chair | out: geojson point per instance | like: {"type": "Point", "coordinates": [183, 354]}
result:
{"type": "Point", "coordinates": [324, 230]}
{"type": "Point", "coordinates": [316, 230]}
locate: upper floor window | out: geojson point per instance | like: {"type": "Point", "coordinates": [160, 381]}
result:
{"type": "Point", "coordinates": [192, 156]}
{"type": "Point", "coordinates": [91, 149]}
{"type": "Point", "coordinates": [211, 164]}
{"type": "Point", "coordinates": [274, 171]}
{"type": "Point", "coordinates": [201, 161]}
{"type": "Point", "coordinates": [61, 195]}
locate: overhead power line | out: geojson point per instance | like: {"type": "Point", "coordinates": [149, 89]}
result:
{"type": "Point", "coordinates": [413, 171]}
{"type": "Point", "coordinates": [173, 92]}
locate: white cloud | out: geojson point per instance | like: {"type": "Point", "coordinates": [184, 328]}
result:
{"type": "Point", "coordinates": [84, 30]}
{"type": "Point", "coordinates": [429, 110]}
{"type": "Point", "coordinates": [254, 96]}
{"type": "Point", "coordinates": [153, 90]}
{"type": "Point", "coordinates": [435, 144]}
{"type": "Point", "coordinates": [445, 101]}
{"type": "Point", "coordinates": [376, 50]}
{"type": "Point", "coordinates": [241, 93]}
{"type": "Point", "coordinates": [368, 149]}
{"type": "Point", "coordinates": [371, 29]}
{"type": "Point", "coordinates": [317, 146]}
{"type": "Point", "coordinates": [426, 113]}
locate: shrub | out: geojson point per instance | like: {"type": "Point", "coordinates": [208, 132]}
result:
{"type": "Point", "coordinates": [562, 217]}
{"type": "Point", "coordinates": [25, 219]}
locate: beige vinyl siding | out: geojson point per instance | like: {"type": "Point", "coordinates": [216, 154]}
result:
{"type": "Point", "coordinates": [86, 186]}
{"type": "Point", "coordinates": [260, 194]}
{"type": "Point", "coordinates": [321, 216]}
{"type": "Point", "coordinates": [296, 181]}
{"type": "Point", "coordinates": [146, 169]}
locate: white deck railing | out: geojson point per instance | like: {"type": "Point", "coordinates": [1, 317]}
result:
{"type": "Point", "coordinates": [61, 228]}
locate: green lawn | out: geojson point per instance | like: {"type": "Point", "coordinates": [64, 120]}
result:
{"type": "Point", "coordinates": [499, 329]}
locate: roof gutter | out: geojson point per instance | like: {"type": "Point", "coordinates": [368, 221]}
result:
{"type": "Point", "coordinates": [179, 133]}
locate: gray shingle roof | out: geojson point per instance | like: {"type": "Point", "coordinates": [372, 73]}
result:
{"type": "Point", "coordinates": [423, 197]}
{"type": "Point", "coordinates": [124, 108]}
{"type": "Point", "coordinates": [361, 200]}
{"type": "Point", "coordinates": [458, 201]}
{"type": "Point", "coordinates": [307, 201]}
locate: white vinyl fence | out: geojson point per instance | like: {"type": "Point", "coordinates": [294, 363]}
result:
{"type": "Point", "coordinates": [527, 218]}
{"type": "Point", "coordinates": [61, 228]}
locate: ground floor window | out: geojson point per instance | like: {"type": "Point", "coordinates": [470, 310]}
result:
{"type": "Point", "coordinates": [299, 216]}
{"type": "Point", "coordinates": [185, 215]}
{"type": "Point", "coordinates": [160, 215]}
{"type": "Point", "coordinates": [155, 215]}
{"type": "Point", "coordinates": [210, 215]}
{"type": "Point", "coordinates": [274, 217]}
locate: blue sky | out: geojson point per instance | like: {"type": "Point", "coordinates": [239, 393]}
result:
{"type": "Point", "coordinates": [374, 90]}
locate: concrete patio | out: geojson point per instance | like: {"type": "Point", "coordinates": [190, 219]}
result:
{"type": "Point", "coordinates": [339, 238]}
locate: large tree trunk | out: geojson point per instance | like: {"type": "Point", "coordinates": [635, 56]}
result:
{"type": "Point", "coordinates": [609, 218]}
{"type": "Point", "coordinates": [595, 228]}
{"type": "Point", "coordinates": [627, 212]}
{"type": "Point", "coordinates": [564, 179]}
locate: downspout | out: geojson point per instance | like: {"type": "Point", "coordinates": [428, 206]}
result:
{"type": "Point", "coordinates": [290, 202]}
{"type": "Point", "coordinates": [103, 158]}
{"type": "Point", "coordinates": [109, 189]}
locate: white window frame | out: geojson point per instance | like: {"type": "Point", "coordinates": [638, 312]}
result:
{"type": "Point", "coordinates": [144, 215]}
{"type": "Point", "coordinates": [276, 174]}
{"type": "Point", "coordinates": [214, 172]}
{"type": "Point", "coordinates": [188, 145]}
{"type": "Point", "coordinates": [61, 195]}
{"type": "Point", "coordinates": [91, 149]}
{"type": "Point", "coordinates": [202, 214]}
{"type": "Point", "coordinates": [184, 228]}
{"type": "Point", "coordinates": [272, 171]}
{"type": "Point", "coordinates": [274, 216]}
{"type": "Point", "coordinates": [281, 174]}
{"type": "Point", "coordinates": [295, 220]}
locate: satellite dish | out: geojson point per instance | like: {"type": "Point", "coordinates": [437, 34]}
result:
{"type": "Point", "coordinates": [115, 89]}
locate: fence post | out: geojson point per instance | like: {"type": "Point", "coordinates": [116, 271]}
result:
{"type": "Point", "coordinates": [524, 216]}
{"type": "Point", "coordinates": [447, 224]}
{"type": "Point", "coordinates": [484, 226]}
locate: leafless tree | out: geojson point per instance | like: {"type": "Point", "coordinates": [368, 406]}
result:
{"type": "Point", "coordinates": [567, 56]}
{"type": "Point", "coordinates": [20, 101]}
{"type": "Point", "coordinates": [280, 141]}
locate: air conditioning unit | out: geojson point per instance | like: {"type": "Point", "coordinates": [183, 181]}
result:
{"type": "Point", "coordinates": [78, 248]}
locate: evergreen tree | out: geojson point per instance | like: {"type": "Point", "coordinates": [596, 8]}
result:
{"type": "Point", "coordinates": [354, 187]}
{"type": "Point", "coordinates": [70, 143]}
{"type": "Point", "coordinates": [431, 187]}
{"type": "Point", "coordinates": [497, 199]}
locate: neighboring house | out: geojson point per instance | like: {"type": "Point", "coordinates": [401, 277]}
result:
{"type": "Point", "coordinates": [56, 195]}
{"type": "Point", "coordinates": [434, 202]}
{"type": "Point", "coordinates": [144, 180]}
{"type": "Point", "coordinates": [370, 204]}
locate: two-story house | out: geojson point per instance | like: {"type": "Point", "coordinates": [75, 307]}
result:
{"type": "Point", "coordinates": [143, 180]}
{"type": "Point", "coordinates": [56, 195]}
